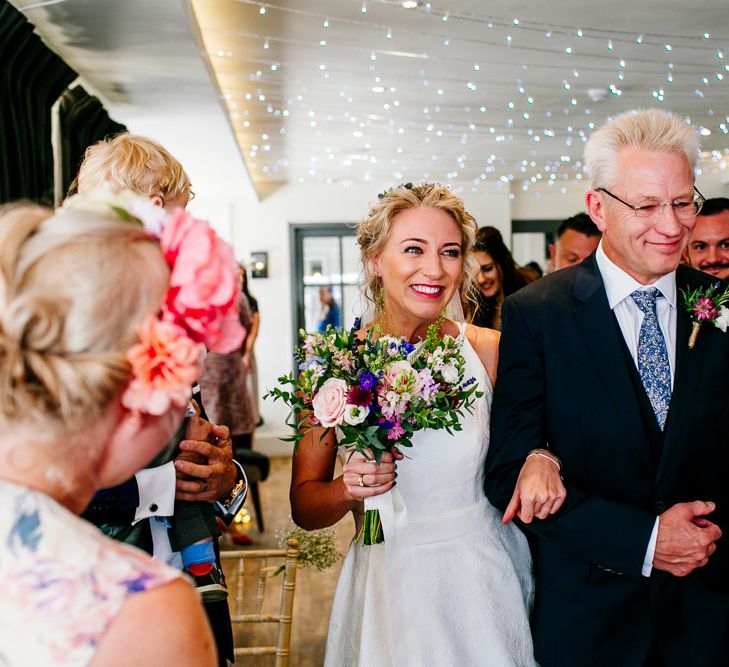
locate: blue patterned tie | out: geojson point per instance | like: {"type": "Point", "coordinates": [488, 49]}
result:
{"type": "Point", "coordinates": [653, 363]}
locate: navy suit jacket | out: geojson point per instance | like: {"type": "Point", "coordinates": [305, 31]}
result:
{"type": "Point", "coordinates": [566, 380]}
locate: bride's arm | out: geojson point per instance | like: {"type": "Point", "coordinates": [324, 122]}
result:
{"type": "Point", "coordinates": [318, 499]}
{"type": "Point", "coordinates": [539, 490]}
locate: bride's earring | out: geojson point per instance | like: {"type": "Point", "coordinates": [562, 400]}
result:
{"type": "Point", "coordinates": [380, 300]}
{"type": "Point", "coordinates": [381, 319]}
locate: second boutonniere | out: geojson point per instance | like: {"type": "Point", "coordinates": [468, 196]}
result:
{"type": "Point", "coordinates": [706, 306]}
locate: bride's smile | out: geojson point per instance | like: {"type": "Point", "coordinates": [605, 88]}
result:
{"type": "Point", "coordinates": [421, 266]}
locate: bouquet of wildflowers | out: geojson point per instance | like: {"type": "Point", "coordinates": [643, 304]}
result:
{"type": "Point", "coordinates": [376, 391]}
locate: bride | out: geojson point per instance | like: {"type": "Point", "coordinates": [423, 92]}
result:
{"type": "Point", "coordinates": [452, 584]}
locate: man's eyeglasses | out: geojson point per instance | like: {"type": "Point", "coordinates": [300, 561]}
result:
{"type": "Point", "coordinates": [684, 209]}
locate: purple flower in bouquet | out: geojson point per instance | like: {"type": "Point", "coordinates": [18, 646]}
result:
{"type": "Point", "coordinates": [406, 348]}
{"type": "Point", "coordinates": [367, 381]}
{"type": "Point", "coordinates": [312, 363]}
{"type": "Point", "coordinates": [429, 386]}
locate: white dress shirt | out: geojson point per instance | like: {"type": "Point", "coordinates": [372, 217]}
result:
{"type": "Point", "coordinates": [619, 286]}
{"type": "Point", "coordinates": [156, 502]}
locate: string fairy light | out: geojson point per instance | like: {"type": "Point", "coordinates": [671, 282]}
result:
{"type": "Point", "coordinates": [535, 117]}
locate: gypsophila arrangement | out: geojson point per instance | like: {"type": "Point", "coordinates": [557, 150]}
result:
{"type": "Point", "coordinates": [317, 548]}
{"type": "Point", "coordinates": [376, 391]}
{"type": "Point", "coordinates": [706, 306]}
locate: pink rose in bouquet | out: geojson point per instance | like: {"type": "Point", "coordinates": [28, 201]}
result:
{"type": "Point", "coordinates": [330, 401]}
{"type": "Point", "coordinates": [204, 286]}
{"type": "Point", "coordinates": [165, 364]}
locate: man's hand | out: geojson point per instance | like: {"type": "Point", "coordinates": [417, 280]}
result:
{"type": "Point", "coordinates": [212, 474]}
{"type": "Point", "coordinates": [685, 539]}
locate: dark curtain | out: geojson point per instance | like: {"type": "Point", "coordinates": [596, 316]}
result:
{"type": "Point", "coordinates": [32, 78]}
{"type": "Point", "coordinates": [84, 121]}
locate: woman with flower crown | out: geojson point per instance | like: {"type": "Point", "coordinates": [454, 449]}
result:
{"type": "Point", "coordinates": [99, 346]}
{"type": "Point", "coordinates": [451, 584]}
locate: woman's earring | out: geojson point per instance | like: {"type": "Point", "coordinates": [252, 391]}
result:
{"type": "Point", "coordinates": [380, 299]}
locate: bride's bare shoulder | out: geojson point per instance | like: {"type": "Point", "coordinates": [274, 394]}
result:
{"type": "Point", "coordinates": [486, 344]}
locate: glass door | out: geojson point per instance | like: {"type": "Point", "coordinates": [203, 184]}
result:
{"type": "Point", "coordinates": [326, 276]}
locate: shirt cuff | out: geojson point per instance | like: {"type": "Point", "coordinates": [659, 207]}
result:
{"type": "Point", "coordinates": [156, 492]}
{"type": "Point", "coordinates": [650, 551]}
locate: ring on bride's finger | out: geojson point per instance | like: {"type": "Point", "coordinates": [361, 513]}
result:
{"type": "Point", "coordinates": [360, 481]}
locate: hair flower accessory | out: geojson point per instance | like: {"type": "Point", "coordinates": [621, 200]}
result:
{"type": "Point", "coordinates": [200, 307]}
{"type": "Point", "coordinates": [165, 364]}
{"type": "Point", "coordinates": [125, 204]}
{"type": "Point", "coordinates": [204, 287]}
{"type": "Point", "coordinates": [706, 305]}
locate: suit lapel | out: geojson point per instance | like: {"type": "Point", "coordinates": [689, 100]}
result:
{"type": "Point", "coordinates": [603, 339]}
{"type": "Point", "coordinates": [686, 376]}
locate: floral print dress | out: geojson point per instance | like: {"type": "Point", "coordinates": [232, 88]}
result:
{"type": "Point", "coordinates": [63, 581]}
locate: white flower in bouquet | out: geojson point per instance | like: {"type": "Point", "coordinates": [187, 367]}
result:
{"type": "Point", "coordinates": [449, 372]}
{"type": "Point", "coordinates": [355, 414]}
{"type": "Point", "coordinates": [722, 322]}
{"type": "Point", "coordinates": [330, 402]}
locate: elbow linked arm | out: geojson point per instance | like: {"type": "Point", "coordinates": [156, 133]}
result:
{"type": "Point", "coordinates": [607, 533]}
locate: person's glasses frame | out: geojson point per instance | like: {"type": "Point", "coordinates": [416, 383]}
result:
{"type": "Point", "coordinates": [683, 210]}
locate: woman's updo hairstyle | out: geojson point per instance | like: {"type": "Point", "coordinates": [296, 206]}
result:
{"type": "Point", "coordinates": [74, 286]}
{"type": "Point", "coordinates": [375, 229]}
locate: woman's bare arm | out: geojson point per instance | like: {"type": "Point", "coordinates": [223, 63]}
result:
{"type": "Point", "coordinates": [163, 626]}
{"type": "Point", "coordinates": [539, 490]}
{"type": "Point", "coordinates": [318, 499]}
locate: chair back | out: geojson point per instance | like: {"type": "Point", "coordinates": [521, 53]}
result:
{"type": "Point", "coordinates": [244, 562]}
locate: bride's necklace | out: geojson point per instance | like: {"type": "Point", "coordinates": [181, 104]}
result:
{"type": "Point", "coordinates": [432, 331]}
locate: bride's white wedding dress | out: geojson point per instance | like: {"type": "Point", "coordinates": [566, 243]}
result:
{"type": "Point", "coordinates": [450, 586]}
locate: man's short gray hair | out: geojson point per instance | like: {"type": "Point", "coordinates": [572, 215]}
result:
{"type": "Point", "coordinates": [647, 129]}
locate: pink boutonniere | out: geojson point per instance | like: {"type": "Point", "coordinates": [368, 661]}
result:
{"type": "Point", "coordinates": [706, 306]}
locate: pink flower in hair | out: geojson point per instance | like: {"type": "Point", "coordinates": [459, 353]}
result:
{"type": "Point", "coordinates": [165, 364]}
{"type": "Point", "coordinates": [204, 288]}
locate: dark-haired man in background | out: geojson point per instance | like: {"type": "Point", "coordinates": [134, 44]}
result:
{"type": "Point", "coordinates": [577, 238]}
{"type": "Point", "coordinates": [708, 249]}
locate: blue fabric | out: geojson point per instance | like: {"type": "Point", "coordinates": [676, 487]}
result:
{"type": "Point", "coordinates": [653, 363]}
{"type": "Point", "coordinates": [332, 317]}
{"type": "Point", "coordinates": [202, 552]}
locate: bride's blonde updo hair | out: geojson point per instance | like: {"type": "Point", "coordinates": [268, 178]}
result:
{"type": "Point", "coordinates": [74, 286]}
{"type": "Point", "coordinates": [375, 229]}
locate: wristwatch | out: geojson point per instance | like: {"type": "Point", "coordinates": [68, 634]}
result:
{"type": "Point", "coordinates": [227, 508]}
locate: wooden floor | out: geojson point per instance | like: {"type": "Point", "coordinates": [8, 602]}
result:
{"type": "Point", "coordinates": [314, 590]}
